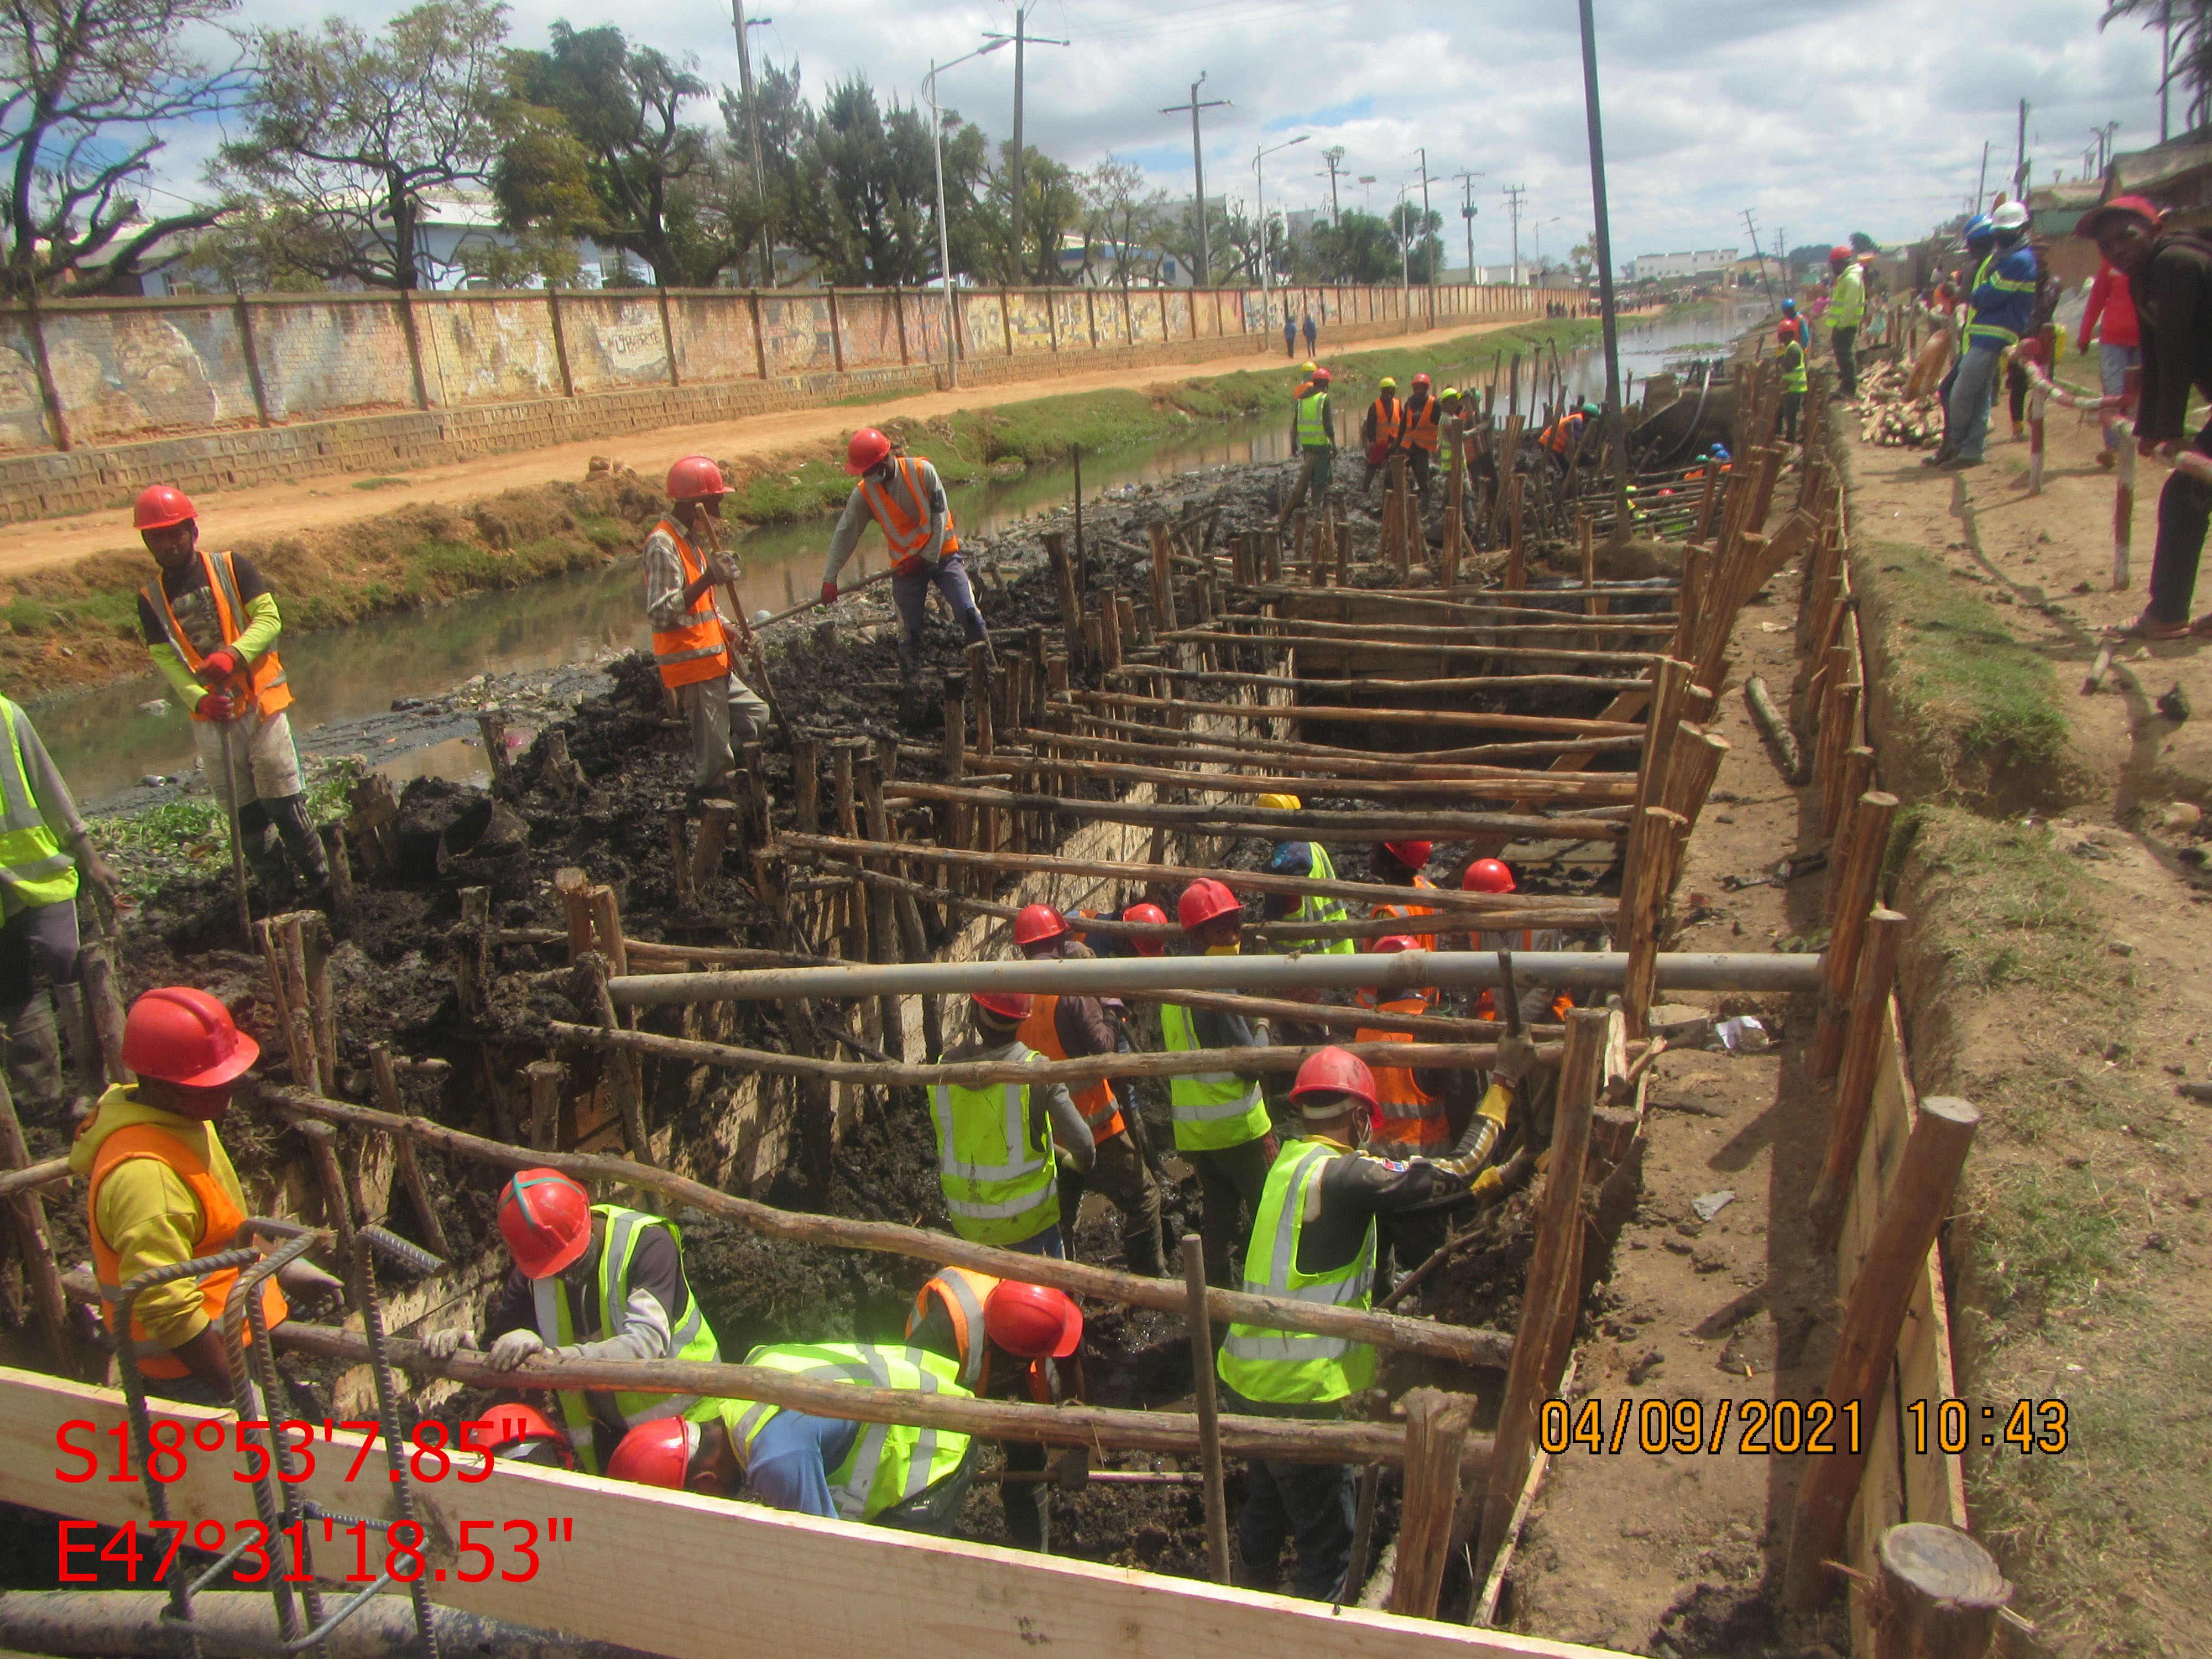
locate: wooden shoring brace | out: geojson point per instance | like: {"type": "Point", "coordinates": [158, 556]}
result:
{"type": "Point", "coordinates": [386, 1082]}
{"type": "Point", "coordinates": [1855, 1081]}
{"type": "Point", "coordinates": [575, 888]}
{"type": "Point", "coordinates": [621, 1064]}
{"type": "Point", "coordinates": [1064, 587]}
{"type": "Point", "coordinates": [1516, 557]}
{"type": "Point", "coordinates": [1164, 599]}
{"type": "Point", "coordinates": [1912, 1214]}
{"type": "Point", "coordinates": [542, 1079]}
{"type": "Point", "coordinates": [322, 1152]}
{"type": "Point", "coordinates": [1857, 883]}
{"type": "Point", "coordinates": [1207, 1406]}
{"type": "Point", "coordinates": [33, 1242]}
{"type": "Point", "coordinates": [1437, 1425]}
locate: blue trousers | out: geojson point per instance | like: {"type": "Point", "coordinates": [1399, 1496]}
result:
{"type": "Point", "coordinates": [1969, 408]}
{"type": "Point", "coordinates": [911, 595]}
{"type": "Point", "coordinates": [2113, 362]}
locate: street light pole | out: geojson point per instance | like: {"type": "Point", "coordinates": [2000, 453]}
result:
{"type": "Point", "coordinates": [1201, 276]}
{"type": "Point", "coordinates": [944, 236]}
{"type": "Point", "coordinates": [1259, 189]}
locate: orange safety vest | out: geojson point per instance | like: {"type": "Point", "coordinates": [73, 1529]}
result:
{"type": "Point", "coordinates": [272, 695]}
{"type": "Point", "coordinates": [963, 1292]}
{"type": "Point", "coordinates": [1390, 420]}
{"type": "Point", "coordinates": [219, 1220]}
{"type": "Point", "coordinates": [1559, 437]}
{"type": "Point", "coordinates": [1040, 1031]}
{"type": "Point", "coordinates": [1485, 1005]}
{"type": "Point", "coordinates": [1421, 425]}
{"type": "Point", "coordinates": [907, 533]}
{"type": "Point", "coordinates": [1410, 1120]}
{"type": "Point", "coordinates": [700, 649]}
{"type": "Point", "coordinates": [1426, 941]}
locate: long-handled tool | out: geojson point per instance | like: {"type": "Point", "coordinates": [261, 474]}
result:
{"type": "Point", "coordinates": [746, 641]}
{"type": "Point", "coordinates": [237, 841]}
{"type": "Point", "coordinates": [809, 604]}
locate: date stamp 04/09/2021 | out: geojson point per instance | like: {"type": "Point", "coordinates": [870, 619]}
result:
{"type": "Point", "coordinates": [1768, 1428]}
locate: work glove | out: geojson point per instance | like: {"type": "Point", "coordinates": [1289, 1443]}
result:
{"type": "Point", "coordinates": [828, 592]}
{"type": "Point", "coordinates": [304, 1282]}
{"type": "Point", "coordinates": [724, 568]}
{"type": "Point", "coordinates": [215, 705]}
{"type": "Point", "coordinates": [1516, 1058]}
{"type": "Point", "coordinates": [444, 1345]}
{"type": "Point", "coordinates": [218, 665]}
{"type": "Point", "coordinates": [1489, 1181]}
{"type": "Point", "coordinates": [513, 1351]}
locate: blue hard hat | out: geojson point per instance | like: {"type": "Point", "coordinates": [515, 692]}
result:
{"type": "Point", "coordinates": [1720, 452]}
{"type": "Point", "coordinates": [1980, 225]}
{"type": "Point", "coordinates": [1790, 307]}
{"type": "Point", "coordinates": [1292, 858]}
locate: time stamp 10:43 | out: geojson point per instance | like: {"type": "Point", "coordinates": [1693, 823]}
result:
{"type": "Point", "coordinates": [1786, 1427]}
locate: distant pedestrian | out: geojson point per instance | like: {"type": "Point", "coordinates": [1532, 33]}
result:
{"type": "Point", "coordinates": [1310, 333]}
{"type": "Point", "coordinates": [1289, 334]}
{"type": "Point", "coordinates": [2110, 321]}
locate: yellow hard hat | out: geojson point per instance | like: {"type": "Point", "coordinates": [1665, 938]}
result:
{"type": "Point", "coordinates": [1389, 383]}
{"type": "Point", "coordinates": [1307, 368]}
{"type": "Point", "coordinates": [1283, 802]}
{"type": "Point", "coordinates": [1449, 392]}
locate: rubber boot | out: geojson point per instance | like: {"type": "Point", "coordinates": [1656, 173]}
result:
{"type": "Point", "coordinates": [34, 1061]}
{"type": "Point", "coordinates": [301, 844]}
{"type": "Point", "coordinates": [87, 1061]}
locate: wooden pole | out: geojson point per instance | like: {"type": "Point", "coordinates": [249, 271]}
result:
{"type": "Point", "coordinates": [1941, 1595]}
{"type": "Point", "coordinates": [1854, 897]}
{"type": "Point", "coordinates": [543, 1076]}
{"type": "Point", "coordinates": [322, 1151]}
{"type": "Point", "coordinates": [1208, 1407]}
{"type": "Point", "coordinates": [1912, 1215]}
{"type": "Point", "coordinates": [1437, 1426]}
{"type": "Point", "coordinates": [715, 817]}
{"type": "Point", "coordinates": [34, 1243]}
{"type": "Point", "coordinates": [403, 1151]}
{"type": "Point", "coordinates": [1863, 1043]}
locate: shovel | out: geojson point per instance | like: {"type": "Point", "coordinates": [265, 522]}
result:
{"type": "Point", "coordinates": [746, 641]}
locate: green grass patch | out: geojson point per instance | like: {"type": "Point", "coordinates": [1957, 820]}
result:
{"type": "Point", "coordinates": [382, 483]}
{"type": "Point", "coordinates": [2045, 1241]}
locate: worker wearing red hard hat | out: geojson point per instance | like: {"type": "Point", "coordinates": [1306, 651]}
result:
{"type": "Point", "coordinates": [1495, 876]}
{"type": "Point", "coordinates": [1077, 1027]}
{"type": "Point", "coordinates": [211, 625]}
{"type": "Point", "coordinates": [1221, 1125]}
{"type": "Point", "coordinates": [692, 643]}
{"type": "Point", "coordinates": [1411, 1116]}
{"type": "Point", "coordinates": [834, 1467]}
{"type": "Point", "coordinates": [1011, 1340]}
{"type": "Point", "coordinates": [1313, 440]}
{"type": "Point", "coordinates": [998, 1144]}
{"type": "Point", "coordinates": [590, 1281]}
{"type": "Point", "coordinates": [1399, 864]}
{"type": "Point", "coordinates": [160, 1189]}
{"type": "Point", "coordinates": [512, 1432]}
{"type": "Point", "coordinates": [1847, 305]}
{"type": "Point", "coordinates": [1316, 1240]}
{"type": "Point", "coordinates": [904, 496]}
{"type": "Point", "coordinates": [1418, 424]}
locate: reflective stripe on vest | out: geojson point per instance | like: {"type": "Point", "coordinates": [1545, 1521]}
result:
{"type": "Point", "coordinates": [265, 679]}
{"type": "Point", "coordinates": [1295, 1367]}
{"type": "Point", "coordinates": [999, 1188]}
{"type": "Point", "coordinates": [700, 648]}
{"type": "Point", "coordinates": [906, 533]}
{"type": "Point", "coordinates": [963, 1292]}
{"type": "Point", "coordinates": [692, 1340]}
{"type": "Point", "coordinates": [219, 1221]}
{"type": "Point", "coordinates": [1212, 1109]}
{"type": "Point", "coordinates": [1411, 1116]}
{"type": "Point", "coordinates": [1312, 411]}
{"type": "Point", "coordinates": [32, 866]}
{"type": "Point", "coordinates": [1421, 425]}
{"type": "Point", "coordinates": [1793, 367]}
{"type": "Point", "coordinates": [1315, 908]}
{"type": "Point", "coordinates": [890, 1463]}
{"type": "Point", "coordinates": [1040, 1031]}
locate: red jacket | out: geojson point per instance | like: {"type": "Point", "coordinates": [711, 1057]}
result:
{"type": "Point", "coordinates": [2109, 299]}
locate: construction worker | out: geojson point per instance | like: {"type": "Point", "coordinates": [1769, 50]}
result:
{"type": "Point", "coordinates": [211, 625]}
{"type": "Point", "coordinates": [916, 1479]}
{"type": "Point", "coordinates": [1411, 1117]}
{"type": "Point", "coordinates": [2003, 298]}
{"type": "Point", "coordinates": [1076, 1028]}
{"type": "Point", "coordinates": [1381, 428]}
{"type": "Point", "coordinates": [45, 854]}
{"type": "Point", "coordinates": [1496, 876]}
{"type": "Point", "coordinates": [1308, 860]}
{"type": "Point", "coordinates": [1792, 360]}
{"type": "Point", "coordinates": [160, 1189]}
{"type": "Point", "coordinates": [1313, 435]}
{"type": "Point", "coordinates": [904, 496]}
{"type": "Point", "coordinates": [1564, 437]}
{"type": "Point", "coordinates": [995, 1141]}
{"type": "Point", "coordinates": [512, 1432]}
{"type": "Point", "coordinates": [692, 642]}
{"type": "Point", "coordinates": [1418, 426]}
{"type": "Point", "coordinates": [1008, 1338]}
{"type": "Point", "coordinates": [1847, 304]}
{"type": "Point", "coordinates": [1221, 1125]}
{"type": "Point", "coordinates": [1315, 1240]}
{"type": "Point", "coordinates": [590, 1281]}
{"type": "Point", "coordinates": [1154, 916]}
{"type": "Point", "coordinates": [1399, 864]}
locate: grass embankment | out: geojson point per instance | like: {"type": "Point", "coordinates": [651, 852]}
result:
{"type": "Point", "coordinates": [78, 624]}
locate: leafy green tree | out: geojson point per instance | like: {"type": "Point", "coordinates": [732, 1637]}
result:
{"type": "Point", "coordinates": [1122, 221]}
{"type": "Point", "coordinates": [1417, 232]}
{"type": "Point", "coordinates": [1358, 248]}
{"type": "Point", "coordinates": [861, 189]}
{"type": "Point", "coordinates": [1052, 207]}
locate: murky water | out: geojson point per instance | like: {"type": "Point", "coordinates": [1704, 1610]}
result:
{"type": "Point", "coordinates": [104, 744]}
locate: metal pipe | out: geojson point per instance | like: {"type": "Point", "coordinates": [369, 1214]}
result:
{"type": "Point", "coordinates": [1405, 971]}
{"type": "Point", "coordinates": [240, 1622]}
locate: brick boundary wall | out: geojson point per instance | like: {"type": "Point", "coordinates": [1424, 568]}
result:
{"type": "Point", "coordinates": [103, 397]}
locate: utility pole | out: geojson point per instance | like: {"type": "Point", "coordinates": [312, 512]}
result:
{"type": "Point", "coordinates": [752, 130]}
{"type": "Point", "coordinates": [1467, 213]}
{"type": "Point", "coordinates": [1021, 38]}
{"type": "Point", "coordinates": [1513, 195]}
{"type": "Point", "coordinates": [1334, 156]}
{"type": "Point", "coordinates": [2165, 71]}
{"type": "Point", "coordinates": [1423, 154]}
{"type": "Point", "coordinates": [1616, 416]}
{"type": "Point", "coordinates": [1198, 166]}
{"type": "Point", "coordinates": [1982, 180]}
{"type": "Point", "coordinates": [1751, 226]}
{"type": "Point", "coordinates": [2020, 162]}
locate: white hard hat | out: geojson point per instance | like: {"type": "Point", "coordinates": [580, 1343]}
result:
{"type": "Point", "coordinates": [2011, 216]}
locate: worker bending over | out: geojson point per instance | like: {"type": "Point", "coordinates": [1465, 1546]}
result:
{"type": "Point", "coordinates": [1077, 1028]}
{"type": "Point", "coordinates": [1399, 864]}
{"type": "Point", "coordinates": [894, 1474]}
{"type": "Point", "coordinates": [1221, 1125]}
{"type": "Point", "coordinates": [211, 625]}
{"type": "Point", "coordinates": [904, 496]}
{"type": "Point", "coordinates": [1316, 1241]}
{"type": "Point", "coordinates": [591, 1281]}
{"type": "Point", "coordinates": [995, 1141]}
{"type": "Point", "coordinates": [691, 643]}
{"type": "Point", "coordinates": [1010, 1340]}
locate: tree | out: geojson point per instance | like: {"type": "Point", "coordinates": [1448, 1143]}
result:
{"type": "Point", "coordinates": [1358, 247]}
{"type": "Point", "coordinates": [2192, 65]}
{"type": "Point", "coordinates": [780, 114]}
{"type": "Point", "coordinates": [1117, 216]}
{"type": "Point", "coordinates": [84, 85]}
{"type": "Point", "coordinates": [347, 134]}
{"type": "Point", "coordinates": [1052, 206]}
{"type": "Point", "coordinates": [860, 191]}
{"type": "Point", "coordinates": [1582, 257]}
{"type": "Point", "coordinates": [1415, 232]}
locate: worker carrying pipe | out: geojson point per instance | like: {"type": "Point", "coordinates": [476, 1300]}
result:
{"type": "Point", "coordinates": [590, 1281]}
{"type": "Point", "coordinates": [1011, 1341]}
{"type": "Point", "coordinates": [904, 496]}
{"type": "Point", "coordinates": [1315, 1240]}
{"type": "Point", "coordinates": [160, 1190]}
{"type": "Point", "coordinates": [892, 1473]}
{"type": "Point", "coordinates": [998, 1145]}
{"type": "Point", "coordinates": [691, 643]}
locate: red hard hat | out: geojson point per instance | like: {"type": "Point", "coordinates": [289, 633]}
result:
{"type": "Point", "coordinates": [1840, 256]}
{"type": "Point", "coordinates": [1487, 875]}
{"type": "Point", "coordinates": [1153, 914]}
{"type": "Point", "coordinates": [1320, 377]}
{"type": "Point", "coordinates": [181, 1034]}
{"type": "Point", "coordinates": [1786, 331]}
{"type": "Point", "coordinates": [656, 1454]}
{"type": "Point", "coordinates": [159, 506]}
{"type": "Point", "coordinates": [546, 1220]}
{"type": "Point", "coordinates": [1411, 854]}
{"type": "Point", "coordinates": [1037, 923]}
{"type": "Point", "coordinates": [695, 477]}
{"type": "Point", "coordinates": [515, 1432]}
{"type": "Point", "coordinates": [1335, 1071]}
{"type": "Point", "coordinates": [867, 447]}
{"type": "Point", "coordinates": [1032, 1321]}
{"type": "Point", "coordinates": [1395, 942]}
{"type": "Point", "coordinates": [1202, 900]}
{"type": "Point", "coordinates": [1420, 380]}
{"type": "Point", "coordinates": [1007, 1005]}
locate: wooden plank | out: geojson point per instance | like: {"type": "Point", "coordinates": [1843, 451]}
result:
{"type": "Point", "coordinates": [654, 1569]}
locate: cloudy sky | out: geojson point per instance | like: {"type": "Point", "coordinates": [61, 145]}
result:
{"type": "Point", "coordinates": [1823, 118]}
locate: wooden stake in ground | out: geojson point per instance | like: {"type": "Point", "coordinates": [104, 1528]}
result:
{"type": "Point", "coordinates": [1942, 1594]}
{"type": "Point", "coordinates": [1208, 1407]}
{"type": "Point", "coordinates": [27, 1210]}
{"type": "Point", "coordinates": [1862, 1063]}
{"type": "Point", "coordinates": [403, 1149]}
{"type": "Point", "coordinates": [1437, 1424]}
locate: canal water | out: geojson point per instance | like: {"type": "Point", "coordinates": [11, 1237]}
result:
{"type": "Point", "coordinates": [104, 744]}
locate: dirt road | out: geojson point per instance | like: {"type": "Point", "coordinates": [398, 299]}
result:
{"type": "Point", "coordinates": [277, 509]}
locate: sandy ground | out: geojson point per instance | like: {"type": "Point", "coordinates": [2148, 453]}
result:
{"type": "Point", "coordinates": [276, 509]}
